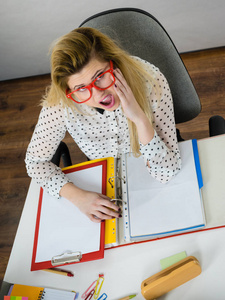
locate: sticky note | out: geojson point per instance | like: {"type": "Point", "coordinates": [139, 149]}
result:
{"type": "Point", "coordinates": [169, 261]}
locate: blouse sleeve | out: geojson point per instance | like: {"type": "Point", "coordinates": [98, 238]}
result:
{"type": "Point", "coordinates": [161, 154]}
{"type": "Point", "coordinates": [48, 133]}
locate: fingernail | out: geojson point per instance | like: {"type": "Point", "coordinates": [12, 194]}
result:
{"type": "Point", "coordinates": [120, 216]}
{"type": "Point", "coordinates": [115, 85]}
{"type": "Point", "coordinates": [119, 209]}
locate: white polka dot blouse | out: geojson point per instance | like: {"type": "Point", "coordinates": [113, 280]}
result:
{"type": "Point", "coordinates": [105, 134]}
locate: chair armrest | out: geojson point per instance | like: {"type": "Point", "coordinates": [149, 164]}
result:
{"type": "Point", "coordinates": [216, 125]}
{"type": "Point", "coordinates": [62, 152]}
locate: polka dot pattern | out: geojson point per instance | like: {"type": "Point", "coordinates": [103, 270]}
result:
{"type": "Point", "coordinates": [102, 134]}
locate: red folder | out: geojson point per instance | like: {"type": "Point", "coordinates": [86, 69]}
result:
{"type": "Point", "coordinates": [37, 265]}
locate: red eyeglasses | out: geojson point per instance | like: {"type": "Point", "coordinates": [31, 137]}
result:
{"type": "Point", "coordinates": [102, 82]}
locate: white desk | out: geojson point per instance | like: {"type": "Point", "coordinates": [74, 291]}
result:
{"type": "Point", "coordinates": [126, 267]}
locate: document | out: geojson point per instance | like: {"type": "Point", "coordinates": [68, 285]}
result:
{"type": "Point", "coordinates": [156, 209]}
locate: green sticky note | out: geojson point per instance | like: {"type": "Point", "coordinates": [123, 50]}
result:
{"type": "Point", "coordinates": [169, 261]}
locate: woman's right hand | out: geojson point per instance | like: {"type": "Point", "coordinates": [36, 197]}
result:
{"type": "Point", "coordinates": [95, 206]}
{"type": "Point", "coordinates": [98, 207]}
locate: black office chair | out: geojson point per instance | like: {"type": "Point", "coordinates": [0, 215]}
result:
{"type": "Point", "coordinates": [62, 152]}
{"type": "Point", "coordinates": [142, 35]}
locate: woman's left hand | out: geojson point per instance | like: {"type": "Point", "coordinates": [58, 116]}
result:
{"type": "Point", "coordinates": [131, 108]}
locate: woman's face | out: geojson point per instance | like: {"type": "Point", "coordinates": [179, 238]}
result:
{"type": "Point", "coordinates": [104, 99]}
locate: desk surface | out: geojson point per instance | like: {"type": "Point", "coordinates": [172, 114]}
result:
{"type": "Point", "coordinates": [126, 267]}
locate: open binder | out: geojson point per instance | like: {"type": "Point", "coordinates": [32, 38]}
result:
{"type": "Point", "coordinates": [173, 208]}
{"type": "Point", "coordinates": [153, 210]}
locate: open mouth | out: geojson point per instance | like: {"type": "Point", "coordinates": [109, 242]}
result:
{"type": "Point", "coordinates": [108, 101]}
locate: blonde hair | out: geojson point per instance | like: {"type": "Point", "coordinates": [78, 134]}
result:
{"type": "Point", "coordinates": [74, 50]}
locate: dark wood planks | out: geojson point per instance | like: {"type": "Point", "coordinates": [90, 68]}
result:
{"type": "Point", "coordinates": [207, 71]}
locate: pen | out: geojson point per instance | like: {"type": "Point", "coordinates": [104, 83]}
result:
{"type": "Point", "coordinates": [59, 272]}
{"type": "Point", "coordinates": [128, 297]}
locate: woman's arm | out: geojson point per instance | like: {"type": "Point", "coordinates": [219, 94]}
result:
{"type": "Point", "coordinates": [158, 142]}
{"type": "Point", "coordinates": [48, 133]}
{"type": "Point", "coordinates": [161, 154]}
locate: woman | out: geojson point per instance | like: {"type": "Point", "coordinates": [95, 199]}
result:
{"type": "Point", "coordinates": [110, 103]}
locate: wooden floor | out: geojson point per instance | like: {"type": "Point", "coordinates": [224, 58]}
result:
{"type": "Point", "coordinates": [19, 101]}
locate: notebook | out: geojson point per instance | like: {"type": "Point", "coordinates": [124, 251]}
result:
{"type": "Point", "coordinates": [39, 293]}
{"type": "Point", "coordinates": [65, 235]}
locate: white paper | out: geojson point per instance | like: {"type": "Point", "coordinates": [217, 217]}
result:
{"type": "Point", "coordinates": [156, 208]}
{"type": "Point", "coordinates": [63, 228]}
{"type": "Point", "coordinates": [212, 160]}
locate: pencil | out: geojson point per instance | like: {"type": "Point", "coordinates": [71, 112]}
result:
{"type": "Point", "coordinates": [59, 272]}
{"type": "Point", "coordinates": [128, 297]}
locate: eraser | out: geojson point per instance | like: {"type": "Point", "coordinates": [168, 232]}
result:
{"type": "Point", "coordinates": [169, 261]}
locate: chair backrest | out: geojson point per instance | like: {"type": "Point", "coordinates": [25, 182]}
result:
{"type": "Point", "coordinates": [142, 35]}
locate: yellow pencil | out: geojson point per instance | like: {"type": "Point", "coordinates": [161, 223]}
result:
{"type": "Point", "coordinates": [128, 297]}
{"type": "Point", "coordinates": [59, 272]}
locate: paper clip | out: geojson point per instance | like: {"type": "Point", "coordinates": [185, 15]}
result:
{"type": "Point", "coordinates": [102, 297]}
{"type": "Point", "coordinates": [99, 285]}
{"type": "Point", "coordinates": [89, 289]}
{"type": "Point", "coordinates": [89, 296]}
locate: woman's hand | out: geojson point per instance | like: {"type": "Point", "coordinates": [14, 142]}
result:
{"type": "Point", "coordinates": [96, 207]}
{"type": "Point", "coordinates": [132, 109]}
